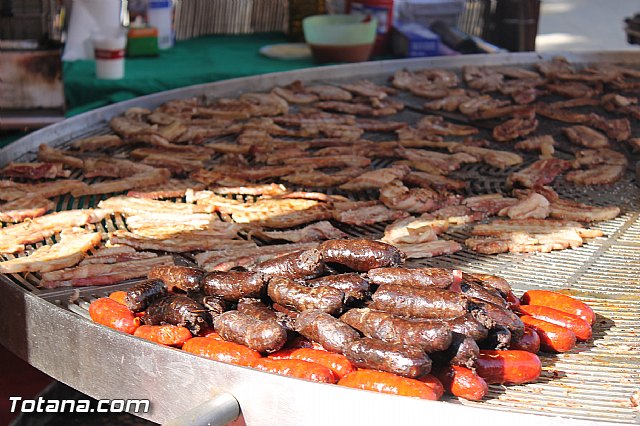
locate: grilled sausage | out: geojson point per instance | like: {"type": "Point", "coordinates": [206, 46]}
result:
{"type": "Point", "coordinates": [287, 293]}
{"type": "Point", "coordinates": [295, 368]}
{"type": "Point", "coordinates": [337, 363]}
{"type": "Point", "coordinates": [561, 302]}
{"type": "Point", "coordinates": [361, 255]}
{"type": "Point", "coordinates": [418, 277]}
{"type": "Point", "coordinates": [429, 335]}
{"type": "Point", "coordinates": [167, 334]}
{"type": "Point", "coordinates": [177, 310]}
{"type": "Point", "coordinates": [462, 382]}
{"type": "Point", "coordinates": [491, 315]}
{"type": "Point", "coordinates": [318, 326]}
{"type": "Point", "coordinates": [119, 296]}
{"type": "Point", "coordinates": [114, 315]}
{"type": "Point", "coordinates": [553, 338]}
{"type": "Point", "coordinates": [529, 341]}
{"type": "Point", "coordinates": [380, 381]}
{"type": "Point", "coordinates": [221, 350]}
{"type": "Point", "coordinates": [233, 285]}
{"type": "Point", "coordinates": [434, 383]}
{"type": "Point", "coordinates": [499, 338]}
{"type": "Point", "coordinates": [580, 327]}
{"type": "Point", "coordinates": [462, 351]}
{"type": "Point", "coordinates": [419, 302]}
{"type": "Point", "coordinates": [489, 281]}
{"type": "Point", "coordinates": [142, 294]}
{"type": "Point", "coordinates": [468, 326]}
{"type": "Point", "coordinates": [183, 277]}
{"type": "Point", "coordinates": [403, 360]}
{"type": "Point", "coordinates": [255, 308]}
{"type": "Point", "coordinates": [299, 264]}
{"type": "Point", "coordinates": [353, 285]}
{"type": "Point", "coordinates": [262, 336]}
{"type": "Point", "coordinates": [509, 367]}
{"type": "Point", "coordinates": [474, 290]}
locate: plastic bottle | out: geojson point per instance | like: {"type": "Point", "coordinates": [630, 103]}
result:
{"type": "Point", "coordinates": [381, 9]}
{"type": "Point", "coordinates": [160, 16]}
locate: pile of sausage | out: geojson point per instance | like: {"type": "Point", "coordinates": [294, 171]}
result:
{"type": "Point", "coordinates": [346, 312]}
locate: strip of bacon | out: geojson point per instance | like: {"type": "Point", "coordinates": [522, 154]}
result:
{"type": "Point", "coordinates": [412, 230]}
{"type": "Point", "coordinates": [367, 214]}
{"type": "Point", "coordinates": [71, 249]}
{"type": "Point", "coordinates": [35, 171]}
{"type": "Point", "coordinates": [25, 208]}
{"type": "Point", "coordinates": [103, 274]}
{"type": "Point", "coordinates": [571, 210]}
{"type": "Point", "coordinates": [140, 206]}
{"type": "Point", "coordinates": [178, 242]}
{"type": "Point", "coordinates": [318, 231]}
{"type": "Point", "coordinates": [116, 254]}
{"type": "Point", "coordinates": [429, 249]}
{"type": "Point", "coordinates": [14, 237]}
{"type": "Point", "coordinates": [97, 143]}
{"type": "Point", "coordinates": [540, 173]}
{"type": "Point", "coordinates": [586, 136]}
{"type": "Point", "coordinates": [598, 175]}
{"type": "Point", "coordinates": [53, 155]}
{"type": "Point", "coordinates": [492, 157]}
{"type": "Point", "coordinates": [534, 206]}
{"type": "Point", "coordinates": [375, 179]}
{"type": "Point", "coordinates": [430, 180]}
{"type": "Point", "coordinates": [174, 188]}
{"type": "Point", "coordinates": [10, 190]}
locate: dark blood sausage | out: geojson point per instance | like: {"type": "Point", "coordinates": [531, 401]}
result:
{"type": "Point", "coordinates": [419, 302]}
{"type": "Point", "coordinates": [462, 351]}
{"type": "Point", "coordinates": [511, 367]}
{"type": "Point", "coordinates": [299, 264]}
{"type": "Point", "coordinates": [429, 335]}
{"type": "Point", "coordinates": [115, 315]}
{"type": "Point", "coordinates": [177, 310]}
{"type": "Point", "coordinates": [353, 285]}
{"type": "Point", "coordinates": [361, 255]}
{"type": "Point", "coordinates": [380, 381]}
{"type": "Point", "coordinates": [489, 281]}
{"type": "Point", "coordinates": [561, 302]}
{"type": "Point", "coordinates": [287, 293]}
{"type": "Point", "coordinates": [529, 341]}
{"type": "Point", "coordinates": [468, 326]}
{"type": "Point", "coordinates": [491, 315]}
{"type": "Point", "coordinates": [262, 336]}
{"type": "Point", "coordinates": [255, 308]}
{"type": "Point", "coordinates": [580, 327]}
{"type": "Point", "coordinates": [142, 294]}
{"type": "Point", "coordinates": [403, 360]}
{"type": "Point", "coordinates": [462, 382]}
{"type": "Point", "coordinates": [183, 277]}
{"type": "Point", "coordinates": [233, 285]}
{"type": "Point", "coordinates": [333, 334]}
{"type": "Point", "coordinates": [419, 277]}
{"type": "Point", "coordinates": [475, 290]}
{"type": "Point", "coordinates": [499, 338]}
{"type": "Point", "coordinates": [214, 305]}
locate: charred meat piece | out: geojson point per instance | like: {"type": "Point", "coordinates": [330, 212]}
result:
{"type": "Point", "coordinates": [468, 326]}
{"type": "Point", "coordinates": [598, 175]}
{"type": "Point", "coordinates": [234, 285]}
{"type": "Point", "coordinates": [491, 315]}
{"type": "Point", "coordinates": [418, 277]}
{"type": "Point", "coordinates": [463, 351]}
{"type": "Point", "coordinates": [540, 173]}
{"type": "Point", "coordinates": [404, 360]}
{"type": "Point", "coordinates": [419, 302]}
{"type": "Point", "coordinates": [475, 290]}
{"type": "Point", "coordinates": [489, 281]}
{"type": "Point", "coordinates": [177, 310]}
{"type": "Point", "coordinates": [320, 327]}
{"type": "Point", "coordinates": [429, 335]}
{"type": "Point", "coordinates": [586, 136]}
{"type": "Point", "coordinates": [264, 336]}
{"type": "Point", "coordinates": [183, 277]}
{"type": "Point", "coordinates": [142, 294]}
{"type": "Point", "coordinates": [499, 338]}
{"type": "Point", "coordinates": [300, 264]}
{"type": "Point", "coordinates": [215, 306]}
{"type": "Point", "coordinates": [514, 128]}
{"type": "Point", "coordinates": [353, 285]}
{"type": "Point", "coordinates": [361, 255]}
{"type": "Point", "coordinates": [287, 293]}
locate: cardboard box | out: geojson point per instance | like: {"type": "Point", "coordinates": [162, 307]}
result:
{"type": "Point", "coordinates": [414, 40]}
{"type": "Point", "coordinates": [142, 42]}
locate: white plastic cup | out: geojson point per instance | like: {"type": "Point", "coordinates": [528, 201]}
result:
{"type": "Point", "coordinates": [160, 15]}
{"type": "Point", "coordinates": [109, 53]}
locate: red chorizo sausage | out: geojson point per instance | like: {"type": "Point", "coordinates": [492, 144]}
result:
{"type": "Point", "coordinates": [510, 367]}
{"type": "Point", "coordinates": [295, 368]}
{"type": "Point", "coordinates": [220, 350]}
{"type": "Point", "coordinates": [462, 382]}
{"type": "Point", "coordinates": [434, 383]}
{"type": "Point", "coordinates": [561, 302]}
{"type": "Point", "coordinates": [167, 334]}
{"type": "Point", "coordinates": [553, 338]}
{"type": "Point", "coordinates": [119, 296]}
{"type": "Point", "coordinates": [337, 363]}
{"type": "Point", "coordinates": [580, 327]}
{"type": "Point", "coordinates": [381, 381]}
{"type": "Point", "coordinates": [115, 315]}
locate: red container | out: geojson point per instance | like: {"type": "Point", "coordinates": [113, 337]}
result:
{"type": "Point", "coordinates": [383, 11]}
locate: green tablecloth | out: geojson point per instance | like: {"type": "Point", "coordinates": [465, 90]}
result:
{"type": "Point", "coordinates": [189, 62]}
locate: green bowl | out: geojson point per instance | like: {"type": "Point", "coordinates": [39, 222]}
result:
{"type": "Point", "coordinates": [340, 38]}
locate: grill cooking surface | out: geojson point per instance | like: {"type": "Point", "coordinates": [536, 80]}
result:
{"type": "Point", "coordinates": [595, 380]}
